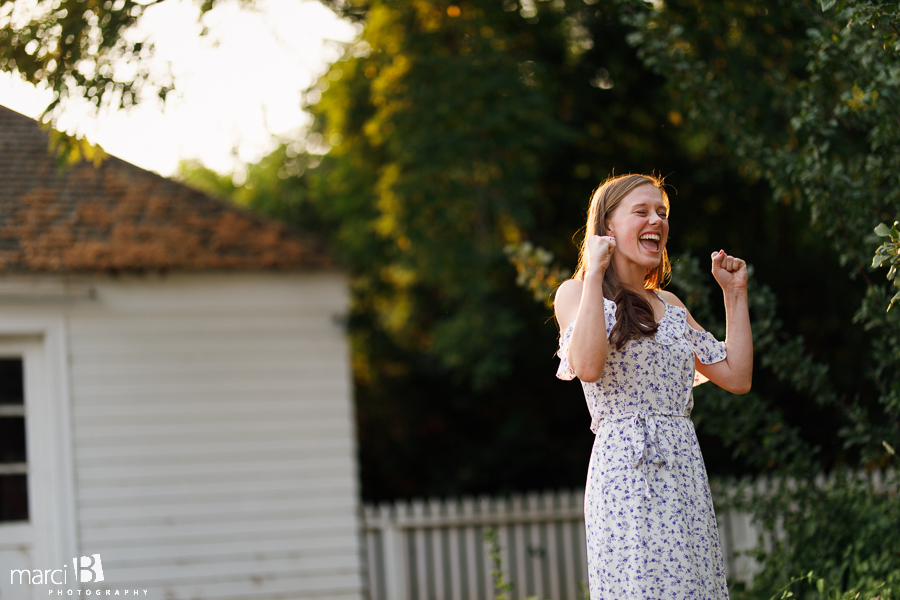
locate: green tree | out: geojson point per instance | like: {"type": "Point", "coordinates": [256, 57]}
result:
{"type": "Point", "coordinates": [76, 47]}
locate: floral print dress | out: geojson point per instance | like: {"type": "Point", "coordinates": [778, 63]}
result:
{"type": "Point", "coordinates": [651, 528]}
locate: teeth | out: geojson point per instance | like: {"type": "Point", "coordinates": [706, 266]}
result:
{"type": "Point", "coordinates": [650, 236]}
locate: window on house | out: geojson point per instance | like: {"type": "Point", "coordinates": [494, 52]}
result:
{"type": "Point", "coordinates": [13, 461]}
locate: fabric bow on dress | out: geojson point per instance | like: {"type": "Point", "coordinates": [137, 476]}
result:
{"type": "Point", "coordinates": [645, 448]}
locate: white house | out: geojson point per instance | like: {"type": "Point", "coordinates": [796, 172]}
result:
{"type": "Point", "coordinates": [175, 392]}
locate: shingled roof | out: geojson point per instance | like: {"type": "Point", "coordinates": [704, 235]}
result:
{"type": "Point", "coordinates": [119, 217]}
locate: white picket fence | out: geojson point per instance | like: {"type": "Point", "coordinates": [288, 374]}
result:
{"type": "Point", "coordinates": [435, 549]}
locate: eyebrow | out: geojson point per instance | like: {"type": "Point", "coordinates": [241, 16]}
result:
{"type": "Point", "coordinates": [645, 205]}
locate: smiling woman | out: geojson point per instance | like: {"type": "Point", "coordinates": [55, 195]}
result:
{"type": "Point", "coordinates": [649, 518]}
{"type": "Point", "coordinates": [626, 210]}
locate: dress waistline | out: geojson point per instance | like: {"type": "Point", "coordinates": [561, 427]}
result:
{"type": "Point", "coordinates": [640, 413]}
{"type": "Point", "coordinates": [645, 442]}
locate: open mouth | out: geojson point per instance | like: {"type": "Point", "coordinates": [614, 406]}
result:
{"type": "Point", "coordinates": [650, 242]}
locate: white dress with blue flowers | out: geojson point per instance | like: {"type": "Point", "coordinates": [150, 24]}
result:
{"type": "Point", "coordinates": [651, 528]}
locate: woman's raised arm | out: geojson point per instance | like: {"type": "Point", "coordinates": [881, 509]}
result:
{"type": "Point", "coordinates": [735, 373]}
{"type": "Point", "coordinates": [582, 301]}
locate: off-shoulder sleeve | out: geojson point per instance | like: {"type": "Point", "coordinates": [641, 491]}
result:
{"type": "Point", "coordinates": [565, 372]}
{"type": "Point", "coordinates": [707, 348]}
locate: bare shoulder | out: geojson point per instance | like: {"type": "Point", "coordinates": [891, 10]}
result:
{"type": "Point", "coordinates": [671, 298]}
{"type": "Point", "coordinates": [567, 300]}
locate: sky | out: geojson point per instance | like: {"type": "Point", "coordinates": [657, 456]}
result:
{"type": "Point", "coordinates": [238, 90]}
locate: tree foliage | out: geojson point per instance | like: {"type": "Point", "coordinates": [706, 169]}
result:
{"type": "Point", "coordinates": [889, 254]}
{"type": "Point", "coordinates": [80, 49]}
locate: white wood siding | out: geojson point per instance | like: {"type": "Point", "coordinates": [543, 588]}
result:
{"type": "Point", "coordinates": [214, 436]}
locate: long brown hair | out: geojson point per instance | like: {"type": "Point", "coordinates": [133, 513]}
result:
{"type": "Point", "coordinates": [634, 315]}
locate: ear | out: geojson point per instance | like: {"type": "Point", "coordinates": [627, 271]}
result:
{"type": "Point", "coordinates": [608, 224]}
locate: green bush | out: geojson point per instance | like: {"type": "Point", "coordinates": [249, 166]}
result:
{"type": "Point", "coordinates": [825, 540]}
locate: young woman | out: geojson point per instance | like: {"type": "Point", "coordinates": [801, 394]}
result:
{"type": "Point", "coordinates": [651, 529]}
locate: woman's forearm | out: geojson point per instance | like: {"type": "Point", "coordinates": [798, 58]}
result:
{"type": "Point", "coordinates": [738, 340]}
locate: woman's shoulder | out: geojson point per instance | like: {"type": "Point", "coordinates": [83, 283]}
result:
{"type": "Point", "coordinates": [569, 286]}
{"type": "Point", "coordinates": [566, 301]}
{"type": "Point", "coordinates": [671, 298]}
{"type": "Point", "coordinates": [568, 293]}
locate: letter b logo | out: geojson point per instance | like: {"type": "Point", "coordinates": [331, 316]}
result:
{"type": "Point", "coordinates": [91, 569]}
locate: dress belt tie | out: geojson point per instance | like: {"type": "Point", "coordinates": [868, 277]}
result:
{"type": "Point", "coordinates": [644, 425]}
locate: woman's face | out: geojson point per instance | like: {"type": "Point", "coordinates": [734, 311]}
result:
{"type": "Point", "coordinates": [640, 224]}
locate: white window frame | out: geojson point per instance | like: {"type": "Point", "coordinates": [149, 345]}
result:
{"type": "Point", "coordinates": [42, 344]}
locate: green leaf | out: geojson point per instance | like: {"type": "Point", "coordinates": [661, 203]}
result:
{"type": "Point", "coordinates": [896, 298]}
{"type": "Point", "coordinates": [820, 586]}
{"type": "Point", "coordinates": [827, 4]}
{"type": "Point", "coordinates": [882, 230]}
